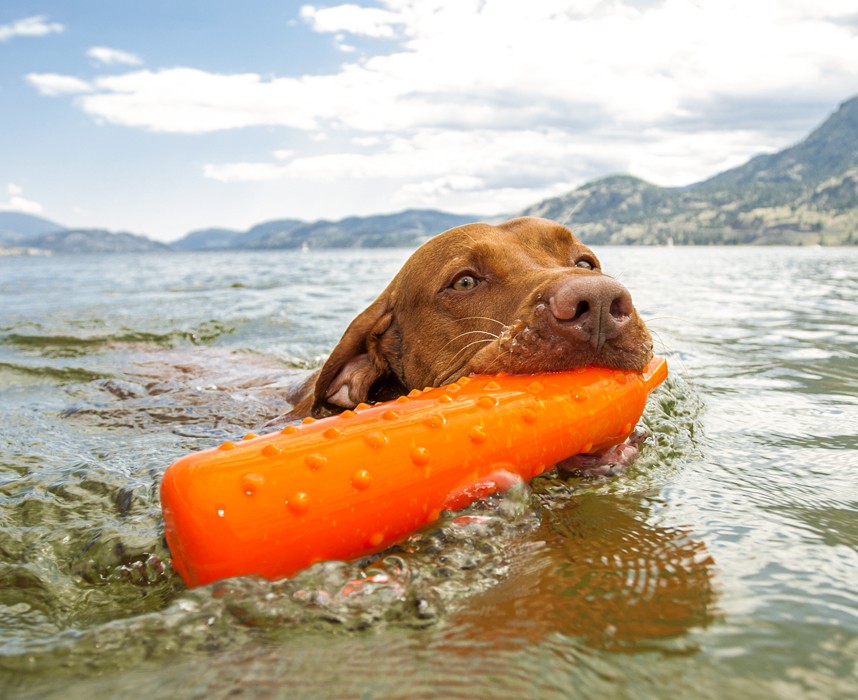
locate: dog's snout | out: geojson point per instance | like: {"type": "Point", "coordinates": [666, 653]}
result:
{"type": "Point", "coordinates": [591, 308]}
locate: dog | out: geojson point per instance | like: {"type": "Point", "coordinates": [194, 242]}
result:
{"type": "Point", "coordinates": [520, 297]}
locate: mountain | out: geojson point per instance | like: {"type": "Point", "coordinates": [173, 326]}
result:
{"type": "Point", "coordinates": [17, 228]}
{"type": "Point", "coordinates": [95, 241]}
{"type": "Point", "coordinates": [224, 238]}
{"type": "Point", "coordinates": [405, 229]}
{"type": "Point", "coordinates": [207, 239]}
{"type": "Point", "coordinates": [805, 194]}
{"type": "Point", "coordinates": [279, 228]}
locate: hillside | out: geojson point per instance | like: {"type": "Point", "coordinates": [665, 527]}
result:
{"type": "Point", "coordinates": [208, 239]}
{"type": "Point", "coordinates": [405, 229]}
{"type": "Point", "coordinates": [19, 229]}
{"type": "Point", "coordinates": [95, 241]}
{"type": "Point", "coordinates": [805, 194]}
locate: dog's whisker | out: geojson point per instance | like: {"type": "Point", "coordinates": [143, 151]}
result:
{"type": "Point", "coordinates": [494, 363]}
{"type": "Point", "coordinates": [492, 336]}
{"type": "Point", "coordinates": [667, 350]}
{"type": "Point", "coordinates": [665, 318]}
{"type": "Point", "coordinates": [452, 368]}
{"type": "Point", "coordinates": [481, 318]}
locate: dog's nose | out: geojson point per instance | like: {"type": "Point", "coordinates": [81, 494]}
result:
{"type": "Point", "coordinates": [591, 308]}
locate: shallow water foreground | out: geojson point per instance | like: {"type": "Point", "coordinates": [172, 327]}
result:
{"type": "Point", "coordinates": [723, 563]}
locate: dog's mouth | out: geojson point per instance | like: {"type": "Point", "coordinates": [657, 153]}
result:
{"type": "Point", "coordinates": [530, 347]}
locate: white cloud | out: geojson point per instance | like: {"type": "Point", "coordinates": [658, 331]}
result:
{"type": "Point", "coordinates": [494, 170]}
{"type": "Point", "coordinates": [480, 101]}
{"type": "Point", "coordinates": [353, 19]}
{"type": "Point", "coordinates": [52, 84]}
{"type": "Point", "coordinates": [18, 203]}
{"type": "Point", "coordinates": [29, 26]}
{"type": "Point", "coordinates": [113, 57]}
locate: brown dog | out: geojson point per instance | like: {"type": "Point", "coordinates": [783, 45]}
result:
{"type": "Point", "coordinates": [522, 297]}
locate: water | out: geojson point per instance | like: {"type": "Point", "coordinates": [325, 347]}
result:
{"type": "Point", "coordinates": [724, 563]}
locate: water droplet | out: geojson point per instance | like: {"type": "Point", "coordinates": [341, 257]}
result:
{"type": "Point", "coordinates": [289, 430]}
{"type": "Point", "coordinates": [487, 402]}
{"type": "Point", "coordinates": [390, 415]}
{"type": "Point", "coordinates": [376, 539]}
{"type": "Point", "coordinates": [402, 399]}
{"type": "Point", "coordinates": [361, 406]}
{"type": "Point", "coordinates": [528, 415]}
{"type": "Point", "coordinates": [453, 388]}
{"type": "Point", "coordinates": [534, 387]}
{"type": "Point", "coordinates": [376, 439]}
{"type": "Point", "coordinates": [315, 461]}
{"type": "Point", "coordinates": [348, 413]}
{"type": "Point", "coordinates": [414, 393]}
{"type": "Point", "coordinates": [251, 483]}
{"type": "Point", "coordinates": [445, 398]}
{"type": "Point", "coordinates": [492, 386]}
{"type": "Point", "coordinates": [361, 479]}
{"type": "Point", "coordinates": [308, 420]}
{"type": "Point", "coordinates": [580, 396]}
{"type": "Point", "coordinates": [420, 456]}
{"type": "Point", "coordinates": [464, 380]}
{"type": "Point", "coordinates": [228, 445]}
{"type": "Point", "coordinates": [250, 436]}
{"type": "Point", "coordinates": [332, 433]}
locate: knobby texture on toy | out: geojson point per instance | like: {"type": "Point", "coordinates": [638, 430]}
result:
{"type": "Point", "coordinates": [356, 483]}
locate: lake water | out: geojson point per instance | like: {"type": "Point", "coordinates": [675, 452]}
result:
{"type": "Point", "coordinates": [723, 564]}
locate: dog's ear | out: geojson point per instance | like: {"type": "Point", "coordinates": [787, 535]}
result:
{"type": "Point", "coordinates": [358, 360]}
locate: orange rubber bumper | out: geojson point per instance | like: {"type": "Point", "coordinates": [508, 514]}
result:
{"type": "Point", "coordinates": [353, 484]}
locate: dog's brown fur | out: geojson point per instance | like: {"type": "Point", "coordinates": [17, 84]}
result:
{"type": "Point", "coordinates": [524, 296]}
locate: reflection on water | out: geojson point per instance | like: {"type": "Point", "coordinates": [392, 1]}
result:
{"type": "Point", "coordinates": [602, 575]}
{"type": "Point", "coordinates": [722, 563]}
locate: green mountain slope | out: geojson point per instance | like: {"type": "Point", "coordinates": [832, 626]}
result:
{"type": "Point", "coordinates": [404, 229]}
{"type": "Point", "coordinates": [96, 241]}
{"type": "Point", "coordinates": [805, 194]}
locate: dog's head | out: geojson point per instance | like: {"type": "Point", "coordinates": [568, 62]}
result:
{"type": "Point", "coordinates": [522, 297]}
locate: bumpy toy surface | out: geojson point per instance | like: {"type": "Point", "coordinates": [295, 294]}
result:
{"type": "Point", "coordinates": [353, 484]}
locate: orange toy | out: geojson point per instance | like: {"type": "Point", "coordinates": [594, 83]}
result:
{"type": "Point", "coordinates": [355, 483]}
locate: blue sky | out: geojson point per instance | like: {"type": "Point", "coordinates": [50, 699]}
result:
{"type": "Point", "coordinates": [164, 116]}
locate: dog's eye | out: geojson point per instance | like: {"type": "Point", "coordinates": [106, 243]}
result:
{"type": "Point", "coordinates": [585, 265]}
{"type": "Point", "coordinates": [465, 283]}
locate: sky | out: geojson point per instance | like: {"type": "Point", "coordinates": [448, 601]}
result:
{"type": "Point", "coordinates": [165, 116]}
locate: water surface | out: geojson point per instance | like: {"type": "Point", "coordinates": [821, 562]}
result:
{"type": "Point", "coordinates": [724, 562]}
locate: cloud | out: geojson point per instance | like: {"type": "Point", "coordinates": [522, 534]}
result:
{"type": "Point", "coordinates": [486, 100]}
{"type": "Point", "coordinates": [17, 203]}
{"type": "Point", "coordinates": [464, 63]}
{"type": "Point", "coordinates": [485, 170]}
{"type": "Point", "coordinates": [53, 84]}
{"type": "Point", "coordinates": [113, 57]}
{"type": "Point", "coordinates": [353, 19]}
{"type": "Point", "coordinates": [29, 26]}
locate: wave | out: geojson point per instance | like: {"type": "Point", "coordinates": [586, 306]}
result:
{"type": "Point", "coordinates": [62, 374]}
{"type": "Point", "coordinates": [63, 345]}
